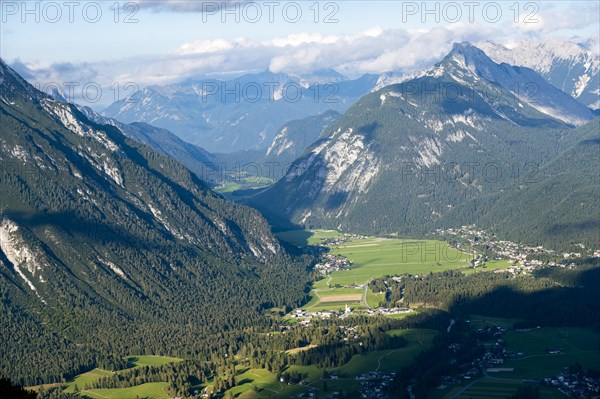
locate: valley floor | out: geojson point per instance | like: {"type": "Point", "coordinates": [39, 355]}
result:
{"type": "Point", "coordinates": [347, 265]}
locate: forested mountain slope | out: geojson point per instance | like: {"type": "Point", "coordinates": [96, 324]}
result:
{"type": "Point", "coordinates": [555, 203]}
{"type": "Point", "coordinates": [402, 158]}
{"type": "Point", "coordinates": [194, 158]}
{"type": "Point", "coordinates": [109, 248]}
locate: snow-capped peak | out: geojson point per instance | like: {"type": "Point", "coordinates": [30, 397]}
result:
{"type": "Point", "coordinates": [568, 66]}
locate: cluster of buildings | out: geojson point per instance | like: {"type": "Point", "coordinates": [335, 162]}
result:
{"type": "Point", "coordinates": [306, 316]}
{"type": "Point", "coordinates": [524, 258]}
{"type": "Point", "coordinates": [331, 262]}
{"type": "Point", "coordinates": [573, 381]}
{"type": "Point", "coordinates": [333, 241]}
{"type": "Point", "coordinates": [375, 384]}
{"type": "Point", "coordinates": [575, 384]}
{"type": "Point", "coordinates": [388, 311]}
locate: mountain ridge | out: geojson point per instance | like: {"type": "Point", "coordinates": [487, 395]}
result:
{"type": "Point", "coordinates": [413, 153]}
{"type": "Point", "coordinates": [238, 114]}
{"type": "Point", "coordinates": [104, 234]}
{"type": "Point", "coordinates": [569, 66]}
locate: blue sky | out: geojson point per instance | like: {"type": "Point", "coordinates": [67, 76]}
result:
{"type": "Point", "coordinates": [166, 41]}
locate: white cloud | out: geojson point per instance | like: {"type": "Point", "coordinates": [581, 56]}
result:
{"type": "Point", "coordinates": [373, 51]}
{"type": "Point", "coordinates": [205, 46]}
{"type": "Point", "coordinates": [296, 40]}
{"type": "Point", "coordinates": [577, 16]}
{"type": "Point", "coordinates": [187, 5]}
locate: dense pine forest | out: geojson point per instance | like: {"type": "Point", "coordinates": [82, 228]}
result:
{"type": "Point", "coordinates": [110, 248]}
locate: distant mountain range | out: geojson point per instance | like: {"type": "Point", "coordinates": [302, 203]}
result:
{"type": "Point", "coordinates": [404, 157]}
{"type": "Point", "coordinates": [296, 136]}
{"type": "Point", "coordinates": [242, 113]}
{"type": "Point", "coordinates": [570, 67]}
{"type": "Point", "coordinates": [194, 158]}
{"type": "Point", "coordinates": [246, 113]}
{"type": "Point", "coordinates": [290, 142]}
{"type": "Point", "coordinates": [103, 233]}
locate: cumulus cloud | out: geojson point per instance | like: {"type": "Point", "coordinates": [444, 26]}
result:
{"type": "Point", "coordinates": [577, 16]}
{"type": "Point", "coordinates": [375, 50]}
{"type": "Point", "coordinates": [187, 5]}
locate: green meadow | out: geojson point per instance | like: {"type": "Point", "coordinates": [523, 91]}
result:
{"type": "Point", "coordinates": [151, 360]}
{"type": "Point", "coordinates": [374, 257]}
{"type": "Point", "coordinates": [258, 383]}
{"type": "Point", "coordinates": [377, 257]}
{"type": "Point", "coordinates": [392, 359]}
{"type": "Point", "coordinates": [576, 345]}
{"type": "Point", "coordinates": [151, 390]}
{"type": "Point", "coordinates": [490, 388]}
{"type": "Point", "coordinates": [86, 378]}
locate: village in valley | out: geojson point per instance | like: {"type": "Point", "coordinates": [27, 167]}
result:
{"type": "Point", "coordinates": [523, 258]}
{"type": "Point", "coordinates": [483, 250]}
{"type": "Point", "coordinates": [337, 295]}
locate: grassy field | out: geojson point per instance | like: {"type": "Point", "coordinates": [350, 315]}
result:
{"type": "Point", "coordinates": [373, 298]}
{"type": "Point", "coordinates": [243, 184]}
{"type": "Point", "coordinates": [151, 360]}
{"type": "Point", "coordinates": [490, 265]}
{"type": "Point", "coordinates": [260, 383]}
{"type": "Point", "coordinates": [577, 345]}
{"type": "Point", "coordinates": [228, 187]}
{"type": "Point", "coordinates": [392, 359]}
{"type": "Point", "coordinates": [298, 350]}
{"type": "Point", "coordinates": [377, 257]}
{"type": "Point", "coordinates": [330, 292]}
{"type": "Point", "coordinates": [373, 257]}
{"type": "Point", "coordinates": [82, 379]}
{"type": "Point", "coordinates": [153, 390]}
{"type": "Point", "coordinates": [490, 388]}
{"type": "Point", "coordinates": [146, 390]}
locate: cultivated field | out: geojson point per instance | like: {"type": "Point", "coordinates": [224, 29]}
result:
{"type": "Point", "coordinates": [152, 390]}
{"type": "Point", "coordinates": [576, 345]}
{"type": "Point", "coordinates": [376, 257]}
{"type": "Point", "coordinates": [490, 388]}
{"type": "Point", "coordinates": [373, 257]}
